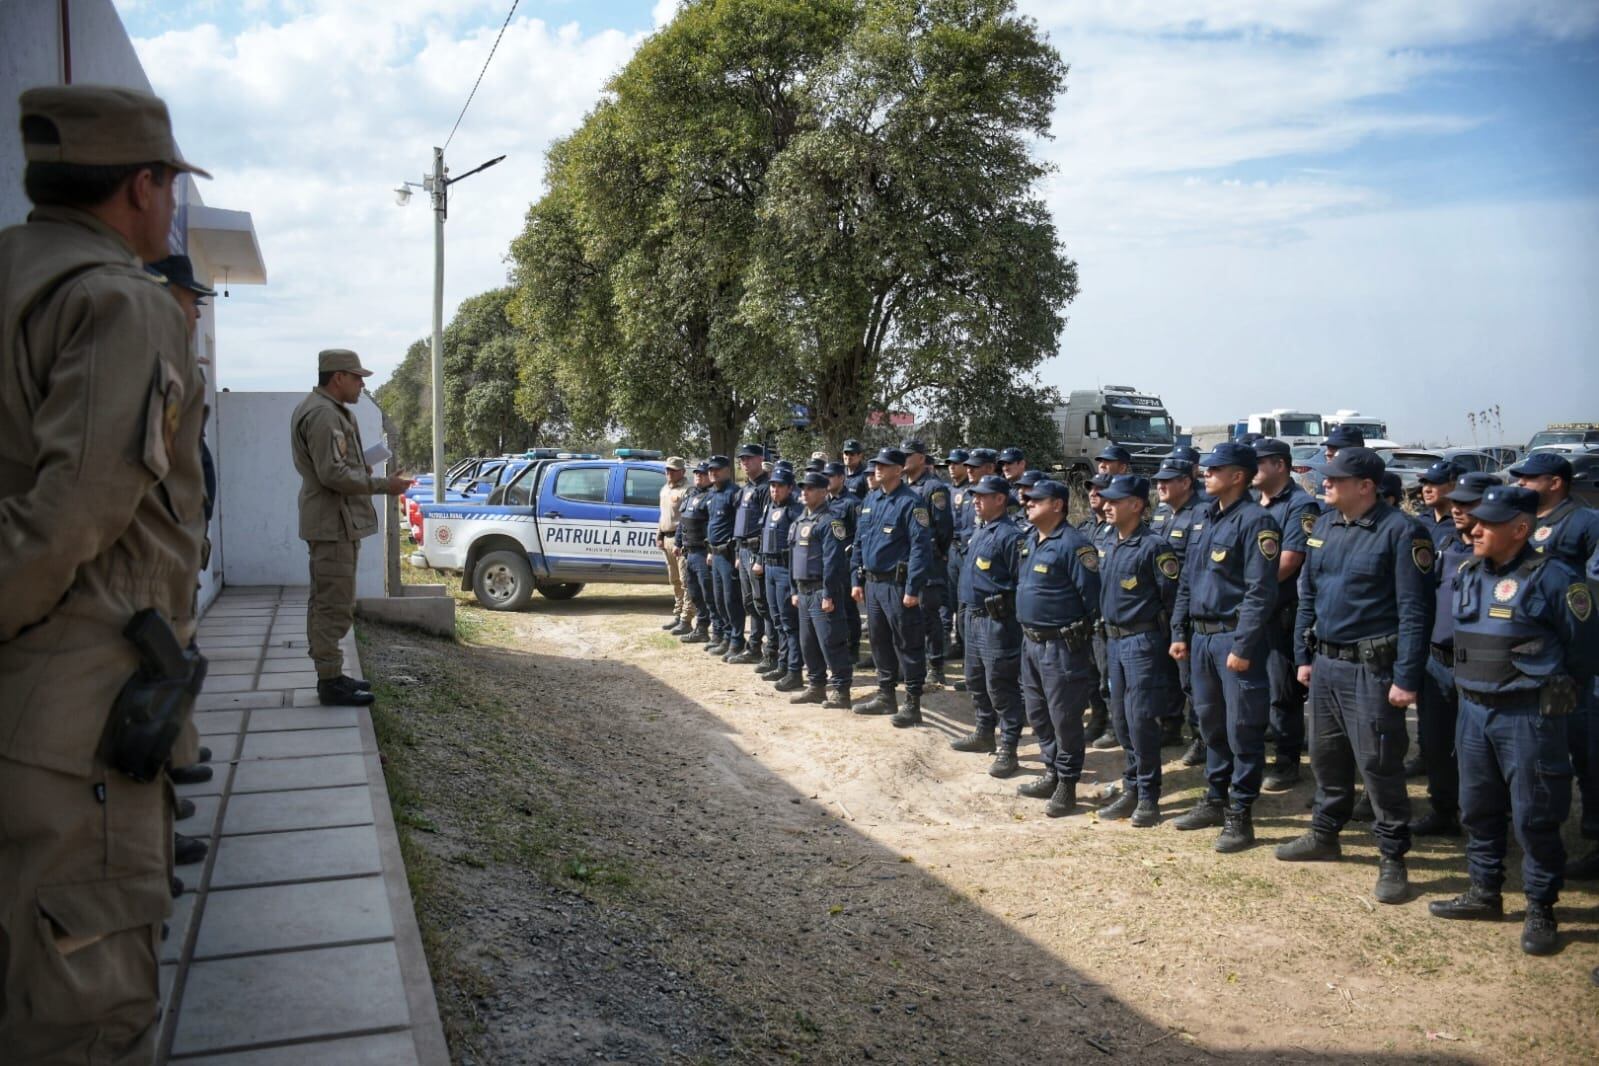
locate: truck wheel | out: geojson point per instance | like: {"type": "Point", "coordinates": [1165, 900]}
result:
{"type": "Point", "coordinates": [560, 592]}
{"type": "Point", "coordinates": [503, 581]}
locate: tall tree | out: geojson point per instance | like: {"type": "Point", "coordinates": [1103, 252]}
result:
{"type": "Point", "coordinates": [407, 399]}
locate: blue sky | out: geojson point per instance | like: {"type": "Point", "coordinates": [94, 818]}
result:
{"type": "Point", "coordinates": [1391, 205]}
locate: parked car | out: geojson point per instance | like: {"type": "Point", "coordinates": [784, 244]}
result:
{"type": "Point", "coordinates": [556, 526]}
{"type": "Point", "coordinates": [1585, 477]}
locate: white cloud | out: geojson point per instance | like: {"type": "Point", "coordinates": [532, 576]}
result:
{"type": "Point", "coordinates": [664, 11]}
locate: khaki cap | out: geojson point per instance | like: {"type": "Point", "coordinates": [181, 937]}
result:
{"type": "Point", "coordinates": [100, 125]}
{"type": "Point", "coordinates": [676, 462]}
{"type": "Point", "coordinates": [340, 359]}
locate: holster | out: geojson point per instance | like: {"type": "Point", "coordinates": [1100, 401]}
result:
{"type": "Point", "coordinates": [1079, 635]}
{"type": "Point", "coordinates": [1000, 606]}
{"type": "Point", "coordinates": [150, 711]}
{"type": "Point", "coordinates": [1379, 653]}
{"type": "Point", "coordinates": [1558, 696]}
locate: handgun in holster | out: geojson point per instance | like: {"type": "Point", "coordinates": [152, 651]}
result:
{"type": "Point", "coordinates": [1000, 606]}
{"type": "Point", "coordinates": [150, 711]}
{"type": "Point", "coordinates": [1557, 696]}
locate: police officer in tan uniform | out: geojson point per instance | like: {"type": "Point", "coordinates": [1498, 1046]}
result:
{"type": "Point", "coordinates": [672, 493]}
{"type": "Point", "coordinates": [101, 522]}
{"type": "Point", "coordinates": [336, 512]}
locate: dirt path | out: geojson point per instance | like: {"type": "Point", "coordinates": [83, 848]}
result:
{"type": "Point", "coordinates": [627, 852]}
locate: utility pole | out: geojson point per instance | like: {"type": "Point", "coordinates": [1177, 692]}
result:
{"type": "Point", "coordinates": [440, 190]}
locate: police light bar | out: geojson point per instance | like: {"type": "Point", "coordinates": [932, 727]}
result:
{"type": "Point", "coordinates": [636, 453]}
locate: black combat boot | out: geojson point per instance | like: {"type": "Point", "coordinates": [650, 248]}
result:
{"type": "Point", "coordinates": [197, 774]}
{"type": "Point", "coordinates": [1363, 811]}
{"type": "Point", "coordinates": [1237, 830]}
{"type": "Point", "coordinates": [1436, 823]}
{"type": "Point", "coordinates": [864, 661]}
{"type": "Point", "coordinates": [676, 621]}
{"type": "Point", "coordinates": [1098, 723]}
{"type": "Point", "coordinates": [1540, 934]}
{"type": "Point", "coordinates": [1063, 801]}
{"type": "Point", "coordinates": [1393, 881]}
{"type": "Point", "coordinates": [1195, 755]}
{"type": "Point", "coordinates": [183, 808]}
{"type": "Point", "coordinates": [341, 692]}
{"type": "Point", "coordinates": [911, 713]}
{"type": "Point", "coordinates": [1106, 741]}
{"type": "Point", "coordinates": [974, 741]}
{"type": "Point", "coordinates": [1283, 775]}
{"type": "Point", "coordinates": [773, 671]}
{"type": "Point", "coordinates": [1171, 732]}
{"type": "Point", "coordinates": [733, 654]}
{"type": "Point", "coordinates": [1120, 807]}
{"type": "Point", "coordinates": [187, 850]}
{"type": "Point", "coordinates": [699, 635]}
{"type": "Point", "coordinates": [838, 698]}
{"type": "Point", "coordinates": [769, 660]}
{"type": "Point", "coordinates": [1476, 904]}
{"type": "Point", "coordinates": [790, 682]}
{"type": "Point", "coordinates": [1004, 763]}
{"type": "Point", "coordinates": [1415, 766]}
{"type": "Point", "coordinates": [1206, 814]}
{"type": "Point", "coordinates": [359, 682]}
{"type": "Point", "coordinates": [1039, 788]}
{"type": "Point", "coordinates": [935, 676]}
{"type": "Point", "coordinates": [1311, 846]}
{"type": "Point", "coordinates": [749, 656]}
{"type": "Point", "coordinates": [682, 628]}
{"type": "Point", "coordinates": [883, 701]}
{"type": "Point", "coordinates": [717, 647]}
{"type": "Point", "coordinates": [809, 694]}
{"type": "Point", "coordinates": [1147, 814]}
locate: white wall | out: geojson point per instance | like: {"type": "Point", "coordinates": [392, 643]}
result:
{"type": "Point", "coordinates": [259, 493]}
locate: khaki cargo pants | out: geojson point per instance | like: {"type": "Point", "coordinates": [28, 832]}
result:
{"type": "Point", "coordinates": [682, 606]}
{"type": "Point", "coordinates": [331, 609]}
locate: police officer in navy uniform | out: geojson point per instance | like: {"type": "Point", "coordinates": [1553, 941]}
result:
{"type": "Point", "coordinates": [993, 633]}
{"type": "Point", "coordinates": [935, 495]}
{"type": "Point", "coordinates": [979, 463]}
{"type": "Point", "coordinates": [854, 468]}
{"type": "Point", "coordinates": [1343, 437]}
{"type": "Point", "coordinates": [1137, 587]}
{"type": "Point", "coordinates": [1114, 460]}
{"type": "Point", "coordinates": [772, 566]}
{"type": "Point", "coordinates": [847, 506]}
{"type": "Point", "coordinates": [1436, 709]}
{"type": "Point", "coordinates": [1570, 532]}
{"type": "Point", "coordinates": [753, 496]}
{"type": "Point", "coordinates": [1098, 530]}
{"type": "Point", "coordinates": [1526, 645]}
{"type": "Point", "coordinates": [1180, 502]}
{"type": "Point", "coordinates": [894, 557]}
{"type": "Point", "coordinates": [960, 484]}
{"type": "Point", "coordinates": [1012, 463]}
{"type": "Point", "coordinates": [819, 542]}
{"type": "Point", "coordinates": [1057, 603]}
{"type": "Point", "coordinates": [1295, 511]}
{"type": "Point", "coordinates": [1226, 596]}
{"type": "Point", "coordinates": [722, 510]}
{"type": "Point", "coordinates": [690, 543]}
{"type": "Point", "coordinates": [1437, 482]}
{"type": "Point", "coordinates": [1365, 618]}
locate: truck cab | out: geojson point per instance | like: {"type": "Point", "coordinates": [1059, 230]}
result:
{"type": "Point", "coordinates": [1375, 430]}
{"type": "Point", "coordinates": [1566, 437]}
{"type": "Point", "coordinates": [1290, 426]}
{"type": "Point", "coordinates": [556, 526]}
{"type": "Point", "coordinates": [1115, 414]}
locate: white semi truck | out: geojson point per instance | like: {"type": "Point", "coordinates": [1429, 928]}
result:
{"type": "Point", "coordinates": [1115, 414]}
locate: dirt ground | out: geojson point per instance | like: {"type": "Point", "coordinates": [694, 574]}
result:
{"type": "Point", "coordinates": [624, 851]}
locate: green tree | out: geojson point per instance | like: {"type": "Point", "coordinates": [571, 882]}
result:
{"type": "Point", "coordinates": [486, 408]}
{"type": "Point", "coordinates": [407, 399]}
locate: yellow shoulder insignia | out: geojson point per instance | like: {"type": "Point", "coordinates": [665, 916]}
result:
{"type": "Point", "coordinates": [1422, 553]}
{"type": "Point", "coordinates": [1088, 555]}
{"type": "Point", "coordinates": [1270, 542]}
{"type": "Point", "coordinates": [1168, 565]}
{"type": "Point", "coordinates": [921, 516]}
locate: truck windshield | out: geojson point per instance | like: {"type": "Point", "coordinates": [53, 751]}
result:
{"type": "Point", "coordinates": [1566, 436]}
{"type": "Point", "coordinates": [1140, 428]}
{"type": "Point", "coordinates": [1293, 426]}
{"type": "Point", "coordinates": [1370, 430]}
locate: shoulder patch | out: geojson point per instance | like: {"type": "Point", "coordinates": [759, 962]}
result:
{"type": "Point", "coordinates": [1580, 600]}
{"type": "Point", "coordinates": [1270, 543]}
{"type": "Point", "coordinates": [1167, 564]}
{"type": "Point", "coordinates": [1307, 521]}
{"type": "Point", "coordinates": [940, 499]}
{"type": "Point", "coordinates": [1422, 552]}
{"type": "Point", "coordinates": [839, 529]}
{"type": "Point", "coordinates": [1088, 555]}
{"type": "Point", "coordinates": [921, 516]}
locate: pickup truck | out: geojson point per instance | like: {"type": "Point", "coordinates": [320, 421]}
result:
{"type": "Point", "coordinates": [560, 524]}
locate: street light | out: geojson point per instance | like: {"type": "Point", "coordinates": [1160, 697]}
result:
{"type": "Point", "coordinates": [437, 185]}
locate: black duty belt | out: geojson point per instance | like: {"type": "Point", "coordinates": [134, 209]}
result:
{"type": "Point", "coordinates": [1515, 700]}
{"type": "Point", "coordinates": [1115, 632]}
{"type": "Point", "coordinates": [1211, 626]}
{"type": "Point", "coordinates": [725, 548]}
{"type": "Point", "coordinates": [1043, 634]}
{"type": "Point", "coordinates": [752, 541]}
{"type": "Point", "coordinates": [1349, 653]}
{"type": "Point", "coordinates": [891, 577]}
{"type": "Point", "coordinates": [809, 586]}
{"type": "Point", "coordinates": [1443, 654]}
{"type": "Point", "coordinates": [701, 547]}
{"type": "Point", "coordinates": [768, 559]}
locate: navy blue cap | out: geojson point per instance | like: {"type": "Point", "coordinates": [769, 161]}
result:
{"type": "Point", "coordinates": [1029, 478]}
{"type": "Point", "coordinates": [716, 462]}
{"type": "Point", "coordinates": [1230, 453]}
{"type": "Point", "coordinates": [1174, 468]}
{"type": "Point", "coordinates": [1124, 485]}
{"type": "Point", "coordinates": [1440, 473]}
{"type": "Point", "coordinates": [1540, 463]}
{"type": "Point", "coordinates": [834, 469]}
{"type": "Point", "coordinates": [784, 464]}
{"type": "Point", "coordinates": [1272, 446]}
{"type": "Point", "coordinates": [1100, 481]}
{"type": "Point", "coordinates": [177, 270]}
{"type": "Point", "coordinates": [745, 450]}
{"type": "Point", "coordinates": [853, 447]}
{"type": "Point", "coordinates": [992, 484]}
{"type": "Point", "coordinates": [982, 457]}
{"type": "Point", "coordinates": [1501, 503]}
{"type": "Point", "coordinates": [1048, 490]}
{"type": "Point", "coordinates": [1356, 462]}
{"type": "Point", "coordinates": [783, 476]}
{"type": "Point", "coordinates": [1012, 455]}
{"type": "Point", "coordinates": [1114, 453]}
{"type": "Point", "coordinates": [816, 480]}
{"type": "Point", "coordinates": [891, 456]}
{"type": "Point", "coordinates": [702, 468]}
{"type": "Point", "coordinates": [956, 455]}
{"type": "Point", "coordinates": [1390, 486]}
{"type": "Point", "coordinates": [1184, 453]}
{"type": "Point", "coordinates": [1471, 486]}
{"type": "Point", "coordinates": [913, 445]}
{"type": "Point", "coordinates": [814, 466]}
{"type": "Point", "coordinates": [1346, 437]}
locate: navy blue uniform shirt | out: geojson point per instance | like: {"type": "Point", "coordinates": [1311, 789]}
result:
{"type": "Point", "coordinates": [1137, 578]}
{"type": "Point", "coordinates": [722, 505]}
{"type": "Point", "coordinates": [1453, 554]}
{"type": "Point", "coordinates": [1229, 574]}
{"type": "Point", "coordinates": [1570, 533]}
{"type": "Point", "coordinates": [1174, 524]}
{"type": "Point", "coordinates": [991, 561]}
{"type": "Point", "coordinates": [1441, 530]}
{"type": "Point", "coordinates": [964, 503]}
{"type": "Point", "coordinates": [819, 550]}
{"type": "Point", "coordinates": [774, 534]}
{"type": "Point", "coordinates": [1295, 511]}
{"type": "Point", "coordinates": [895, 528]}
{"type": "Point", "coordinates": [1541, 608]}
{"type": "Point", "coordinates": [935, 493]}
{"type": "Point", "coordinates": [1058, 579]}
{"type": "Point", "coordinates": [1369, 577]}
{"type": "Point", "coordinates": [752, 501]}
{"type": "Point", "coordinates": [694, 520]}
{"type": "Point", "coordinates": [855, 482]}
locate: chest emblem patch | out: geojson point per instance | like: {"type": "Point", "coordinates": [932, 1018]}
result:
{"type": "Point", "coordinates": [1129, 583]}
{"type": "Point", "coordinates": [1218, 555]}
{"type": "Point", "coordinates": [1040, 568]}
{"type": "Point", "coordinates": [1314, 542]}
{"type": "Point", "coordinates": [1177, 534]}
{"type": "Point", "coordinates": [1543, 533]}
{"type": "Point", "coordinates": [983, 564]}
{"type": "Point", "coordinates": [1506, 590]}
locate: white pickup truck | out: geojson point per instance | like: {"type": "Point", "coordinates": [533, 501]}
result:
{"type": "Point", "coordinates": [558, 526]}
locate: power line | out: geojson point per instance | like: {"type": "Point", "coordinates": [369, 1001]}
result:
{"type": "Point", "coordinates": [480, 74]}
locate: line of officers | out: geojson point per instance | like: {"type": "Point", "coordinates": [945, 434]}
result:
{"type": "Point", "coordinates": [1229, 603]}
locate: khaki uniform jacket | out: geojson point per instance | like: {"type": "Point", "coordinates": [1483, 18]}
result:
{"type": "Point", "coordinates": [336, 485]}
{"type": "Point", "coordinates": [672, 504]}
{"type": "Point", "coordinates": [101, 490]}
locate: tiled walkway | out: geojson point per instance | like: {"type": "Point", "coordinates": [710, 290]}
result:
{"type": "Point", "coordinates": [295, 941]}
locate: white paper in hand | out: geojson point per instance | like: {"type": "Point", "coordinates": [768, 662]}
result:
{"type": "Point", "coordinates": [377, 454]}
